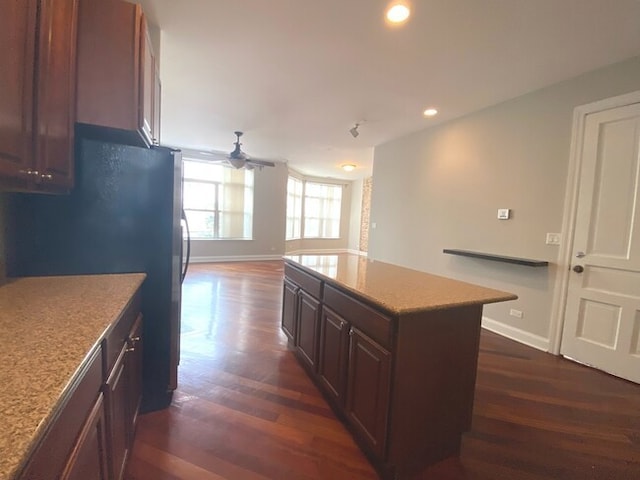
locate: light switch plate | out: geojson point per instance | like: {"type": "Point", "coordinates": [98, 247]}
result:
{"type": "Point", "coordinates": [504, 213]}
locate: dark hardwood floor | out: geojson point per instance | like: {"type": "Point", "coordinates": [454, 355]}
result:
{"type": "Point", "coordinates": [246, 410]}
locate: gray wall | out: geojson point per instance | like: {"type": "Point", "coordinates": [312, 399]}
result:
{"type": "Point", "coordinates": [270, 200]}
{"type": "Point", "coordinates": [441, 187]}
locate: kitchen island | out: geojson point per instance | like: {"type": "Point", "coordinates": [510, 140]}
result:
{"type": "Point", "coordinates": [59, 338]}
{"type": "Point", "coordinates": [393, 350]}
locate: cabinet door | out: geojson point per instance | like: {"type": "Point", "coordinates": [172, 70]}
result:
{"type": "Point", "coordinates": [17, 70]}
{"type": "Point", "coordinates": [289, 309]}
{"type": "Point", "coordinates": [308, 323]}
{"type": "Point", "coordinates": [117, 417]}
{"type": "Point", "coordinates": [334, 353]}
{"type": "Point", "coordinates": [147, 73]}
{"type": "Point", "coordinates": [133, 369]}
{"type": "Point", "coordinates": [109, 70]}
{"type": "Point", "coordinates": [55, 115]}
{"type": "Point", "coordinates": [157, 99]}
{"type": "Point", "coordinates": [88, 459]}
{"type": "Point", "coordinates": [368, 390]}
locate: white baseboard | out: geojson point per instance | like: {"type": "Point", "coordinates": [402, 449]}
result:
{"type": "Point", "coordinates": [317, 251]}
{"type": "Point", "coordinates": [258, 258]}
{"type": "Point", "coordinates": [516, 334]}
{"type": "Point", "coordinates": [235, 258]}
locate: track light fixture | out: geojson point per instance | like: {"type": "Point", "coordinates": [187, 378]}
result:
{"type": "Point", "coordinates": [354, 131]}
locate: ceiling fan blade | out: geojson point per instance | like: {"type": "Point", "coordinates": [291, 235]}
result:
{"type": "Point", "coordinates": [262, 163]}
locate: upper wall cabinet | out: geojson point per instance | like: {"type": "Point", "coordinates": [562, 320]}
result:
{"type": "Point", "coordinates": [37, 81]}
{"type": "Point", "coordinates": [116, 73]}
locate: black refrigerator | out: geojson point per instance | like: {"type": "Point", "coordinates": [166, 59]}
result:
{"type": "Point", "coordinates": [124, 215]}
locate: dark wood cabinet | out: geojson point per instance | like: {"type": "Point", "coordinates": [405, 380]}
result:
{"type": "Point", "coordinates": [118, 418]}
{"type": "Point", "coordinates": [308, 328]}
{"type": "Point", "coordinates": [355, 372]}
{"type": "Point", "coordinates": [17, 37]}
{"type": "Point", "coordinates": [116, 73]}
{"type": "Point", "coordinates": [334, 354]}
{"type": "Point", "coordinates": [38, 102]}
{"type": "Point", "coordinates": [157, 103]}
{"type": "Point", "coordinates": [368, 389]}
{"type": "Point", "coordinates": [73, 443]}
{"type": "Point", "coordinates": [88, 459]}
{"type": "Point", "coordinates": [289, 309]}
{"type": "Point", "coordinates": [403, 382]}
{"type": "Point", "coordinates": [56, 94]}
{"type": "Point", "coordinates": [133, 366]}
{"type": "Point", "coordinates": [93, 429]}
{"type": "Point", "coordinates": [147, 82]}
{"type": "Point", "coordinates": [123, 389]}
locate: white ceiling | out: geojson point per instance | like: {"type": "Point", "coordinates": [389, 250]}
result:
{"type": "Point", "coordinates": [296, 75]}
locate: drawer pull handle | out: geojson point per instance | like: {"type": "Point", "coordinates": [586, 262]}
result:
{"type": "Point", "coordinates": [46, 176]}
{"type": "Point", "coordinates": [131, 344]}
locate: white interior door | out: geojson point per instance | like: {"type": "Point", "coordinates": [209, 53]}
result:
{"type": "Point", "coordinates": [602, 316]}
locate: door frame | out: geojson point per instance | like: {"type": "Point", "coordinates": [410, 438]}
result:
{"type": "Point", "coordinates": [565, 254]}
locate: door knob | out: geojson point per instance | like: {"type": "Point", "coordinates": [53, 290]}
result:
{"type": "Point", "coordinates": [578, 269]}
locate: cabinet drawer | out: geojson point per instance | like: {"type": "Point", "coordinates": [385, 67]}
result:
{"type": "Point", "coordinates": [51, 455]}
{"type": "Point", "coordinates": [117, 338]}
{"type": "Point", "coordinates": [371, 322]}
{"type": "Point", "coordinates": [309, 283]}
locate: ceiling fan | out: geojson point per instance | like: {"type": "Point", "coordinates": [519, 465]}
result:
{"type": "Point", "coordinates": [238, 159]}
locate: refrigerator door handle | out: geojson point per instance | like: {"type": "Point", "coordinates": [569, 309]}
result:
{"type": "Point", "coordinates": [186, 262]}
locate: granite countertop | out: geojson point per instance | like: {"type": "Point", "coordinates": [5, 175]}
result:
{"type": "Point", "coordinates": [48, 326]}
{"type": "Point", "coordinates": [396, 289]}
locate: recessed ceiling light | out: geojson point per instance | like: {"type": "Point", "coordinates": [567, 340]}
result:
{"type": "Point", "coordinates": [348, 167]}
{"type": "Point", "coordinates": [430, 112]}
{"type": "Point", "coordinates": [398, 13]}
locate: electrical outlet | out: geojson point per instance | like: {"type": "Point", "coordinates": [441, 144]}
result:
{"type": "Point", "coordinates": [553, 238]}
{"type": "Point", "coordinates": [516, 313]}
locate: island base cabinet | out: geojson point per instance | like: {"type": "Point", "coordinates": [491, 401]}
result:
{"type": "Point", "coordinates": [368, 390]}
{"type": "Point", "coordinates": [402, 381]}
{"type": "Point", "coordinates": [334, 353]}
{"type": "Point", "coordinates": [308, 323]}
{"type": "Point", "coordinates": [289, 310]}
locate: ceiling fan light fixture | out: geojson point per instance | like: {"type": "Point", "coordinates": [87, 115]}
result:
{"type": "Point", "coordinates": [348, 167]}
{"type": "Point", "coordinates": [237, 162]}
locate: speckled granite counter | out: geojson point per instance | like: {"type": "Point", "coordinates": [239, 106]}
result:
{"type": "Point", "coordinates": [393, 288]}
{"type": "Point", "coordinates": [48, 326]}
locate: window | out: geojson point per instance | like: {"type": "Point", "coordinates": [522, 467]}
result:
{"type": "Point", "coordinates": [313, 208]}
{"type": "Point", "coordinates": [218, 201]}
{"type": "Point", "coordinates": [294, 208]}
{"type": "Point", "coordinates": [322, 204]}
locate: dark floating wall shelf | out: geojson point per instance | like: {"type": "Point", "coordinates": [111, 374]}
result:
{"type": "Point", "coordinates": [497, 258]}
